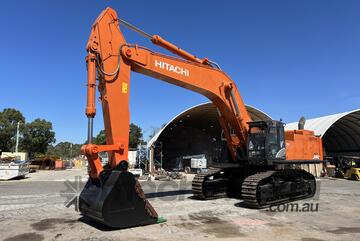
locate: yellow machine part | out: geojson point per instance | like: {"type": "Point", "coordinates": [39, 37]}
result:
{"type": "Point", "coordinates": [353, 173]}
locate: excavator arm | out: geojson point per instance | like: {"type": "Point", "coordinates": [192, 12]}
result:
{"type": "Point", "coordinates": [112, 195]}
{"type": "Point", "coordinates": [113, 59]}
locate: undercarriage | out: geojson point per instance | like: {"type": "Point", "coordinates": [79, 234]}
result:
{"type": "Point", "coordinates": [258, 188]}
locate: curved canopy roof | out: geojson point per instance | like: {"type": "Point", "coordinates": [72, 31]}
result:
{"type": "Point", "coordinates": [340, 132]}
{"type": "Point", "coordinates": [204, 116]}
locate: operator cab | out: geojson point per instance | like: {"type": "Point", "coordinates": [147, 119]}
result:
{"type": "Point", "coordinates": [266, 142]}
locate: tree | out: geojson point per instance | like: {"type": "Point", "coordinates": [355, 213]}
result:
{"type": "Point", "coordinates": [37, 136]}
{"type": "Point", "coordinates": [135, 136]}
{"type": "Point", "coordinates": [100, 138]}
{"type": "Point", "coordinates": [8, 123]}
{"type": "Point", "coordinates": [64, 150]}
{"type": "Point", "coordinates": [155, 130]}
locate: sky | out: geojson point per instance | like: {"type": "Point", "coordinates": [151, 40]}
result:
{"type": "Point", "coordinates": [289, 58]}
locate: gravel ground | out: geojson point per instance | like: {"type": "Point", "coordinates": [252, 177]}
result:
{"type": "Point", "coordinates": [34, 209]}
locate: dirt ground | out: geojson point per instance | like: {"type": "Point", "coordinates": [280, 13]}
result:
{"type": "Point", "coordinates": [34, 209]}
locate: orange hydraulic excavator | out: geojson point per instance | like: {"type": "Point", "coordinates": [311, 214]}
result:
{"type": "Point", "coordinates": [257, 149]}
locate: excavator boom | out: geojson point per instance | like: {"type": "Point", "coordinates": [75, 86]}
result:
{"type": "Point", "coordinates": [114, 59]}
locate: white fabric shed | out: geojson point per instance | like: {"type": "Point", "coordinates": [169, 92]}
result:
{"type": "Point", "coordinates": [340, 132]}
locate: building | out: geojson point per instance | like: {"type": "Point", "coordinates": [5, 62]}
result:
{"type": "Point", "coordinates": [195, 131]}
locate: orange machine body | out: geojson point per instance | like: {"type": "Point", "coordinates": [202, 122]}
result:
{"type": "Point", "coordinates": [110, 60]}
{"type": "Point", "coordinates": [303, 145]}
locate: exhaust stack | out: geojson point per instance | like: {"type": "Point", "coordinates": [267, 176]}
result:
{"type": "Point", "coordinates": [301, 123]}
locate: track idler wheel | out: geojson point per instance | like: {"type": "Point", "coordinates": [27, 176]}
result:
{"type": "Point", "coordinates": [117, 200]}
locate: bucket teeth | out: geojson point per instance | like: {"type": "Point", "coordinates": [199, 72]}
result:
{"type": "Point", "coordinates": [149, 208]}
{"type": "Point", "coordinates": [139, 190]}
